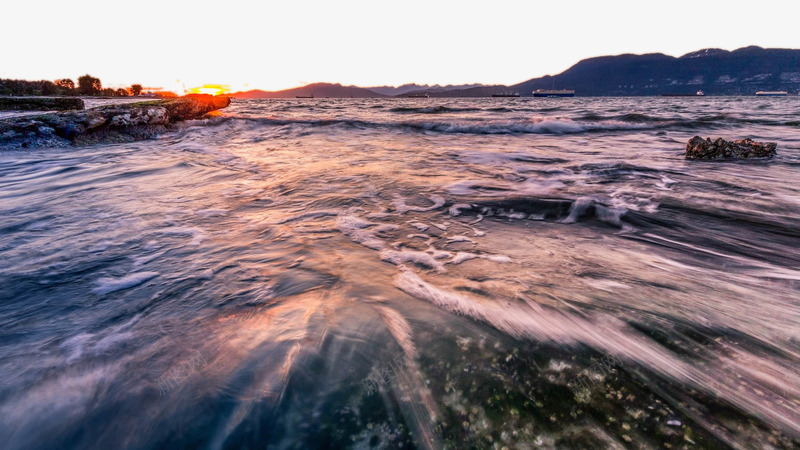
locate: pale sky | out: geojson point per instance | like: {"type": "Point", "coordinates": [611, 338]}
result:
{"type": "Point", "coordinates": [275, 45]}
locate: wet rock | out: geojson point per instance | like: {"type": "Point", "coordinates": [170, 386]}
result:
{"type": "Point", "coordinates": [699, 148]}
{"type": "Point", "coordinates": [40, 103]}
{"type": "Point", "coordinates": [194, 106]}
{"type": "Point", "coordinates": [108, 124]}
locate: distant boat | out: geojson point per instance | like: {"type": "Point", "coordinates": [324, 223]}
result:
{"type": "Point", "coordinates": [304, 96]}
{"type": "Point", "coordinates": [554, 93]}
{"type": "Point", "coordinates": [772, 93]}
{"type": "Point", "coordinates": [698, 94]}
{"type": "Point", "coordinates": [418, 95]}
{"type": "Point", "coordinates": [506, 94]}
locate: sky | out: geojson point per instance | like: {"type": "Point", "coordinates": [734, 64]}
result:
{"type": "Point", "coordinates": [273, 45]}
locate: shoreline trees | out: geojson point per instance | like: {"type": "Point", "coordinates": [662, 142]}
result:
{"type": "Point", "coordinates": [87, 85]}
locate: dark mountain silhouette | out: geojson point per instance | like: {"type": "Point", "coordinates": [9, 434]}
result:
{"type": "Point", "coordinates": [318, 90]}
{"type": "Point", "coordinates": [476, 91]}
{"type": "Point", "coordinates": [419, 88]}
{"type": "Point", "coordinates": [714, 71]}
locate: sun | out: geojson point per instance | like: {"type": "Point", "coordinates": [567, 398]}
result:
{"type": "Point", "coordinates": [213, 89]}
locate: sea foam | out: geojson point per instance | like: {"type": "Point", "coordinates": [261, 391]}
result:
{"type": "Point", "coordinates": [108, 285]}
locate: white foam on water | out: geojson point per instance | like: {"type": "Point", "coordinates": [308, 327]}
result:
{"type": "Point", "coordinates": [498, 258]}
{"type": "Point", "coordinates": [667, 182]}
{"type": "Point", "coordinates": [463, 256]}
{"type": "Point", "coordinates": [108, 285]}
{"type": "Point", "coordinates": [206, 274]}
{"type": "Point", "coordinates": [401, 207]}
{"type": "Point", "coordinates": [418, 235]}
{"type": "Point", "coordinates": [772, 392]}
{"type": "Point", "coordinates": [439, 254]}
{"type": "Point", "coordinates": [475, 231]}
{"type": "Point", "coordinates": [459, 238]}
{"type": "Point", "coordinates": [578, 209]}
{"type": "Point", "coordinates": [349, 222]}
{"type": "Point", "coordinates": [480, 217]}
{"type": "Point", "coordinates": [515, 215]}
{"type": "Point", "coordinates": [609, 215]}
{"type": "Point", "coordinates": [420, 226]}
{"type": "Point", "coordinates": [357, 229]}
{"type": "Point", "coordinates": [399, 257]}
{"type": "Point", "coordinates": [455, 210]}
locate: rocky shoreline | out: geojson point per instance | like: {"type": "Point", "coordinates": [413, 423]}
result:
{"type": "Point", "coordinates": [106, 124]}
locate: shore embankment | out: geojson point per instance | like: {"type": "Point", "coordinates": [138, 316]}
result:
{"type": "Point", "coordinates": [105, 124]}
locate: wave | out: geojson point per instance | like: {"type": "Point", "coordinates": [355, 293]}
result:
{"type": "Point", "coordinates": [558, 126]}
{"type": "Point", "coordinates": [678, 122]}
{"type": "Point", "coordinates": [439, 109]}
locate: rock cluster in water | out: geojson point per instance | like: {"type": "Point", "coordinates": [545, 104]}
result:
{"type": "Point", "coordinates": [107, 124]}
{"type": "Point", "coordinates": [699, 148]}
{"type": "Point", "coordinates": [40, 103]}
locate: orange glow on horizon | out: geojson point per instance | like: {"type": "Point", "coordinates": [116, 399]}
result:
{"type": "Point", "coordinates": [213, 89]}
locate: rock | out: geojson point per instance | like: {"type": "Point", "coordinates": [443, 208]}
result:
{"type": "Point", "coordinates": [40, 103]}
{"type": "Point", "coordinates": [194, 106]}
{"type": "Point", "coordinates": [107, 124]}
{"type": "Point", "coordinates": [699, 148]}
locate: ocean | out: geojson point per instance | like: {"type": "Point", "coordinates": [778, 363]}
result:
{"type": "Point", "coordinates": [408, 273]}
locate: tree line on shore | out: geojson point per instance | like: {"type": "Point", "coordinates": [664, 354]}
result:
{"type": "Point", "coordinates": [87, 86]}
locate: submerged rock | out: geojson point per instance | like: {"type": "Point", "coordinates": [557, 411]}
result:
{"type": "Point", "coordinates": [40, 103]}
{"type": "Point", "coordinates": [106, 124]}
{"type": "Point", "coordinates": [699, 148]}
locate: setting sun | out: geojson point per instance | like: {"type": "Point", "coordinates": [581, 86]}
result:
{"type": "Point", "coordinates": [213, 89]}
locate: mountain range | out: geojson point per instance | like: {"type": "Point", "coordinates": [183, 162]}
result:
{"type": "Point", "coordinates": [714, 71]}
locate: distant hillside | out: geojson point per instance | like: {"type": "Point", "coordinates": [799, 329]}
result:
{"type": "Point", "coordinates": [714, 71]}
{"type": "Point", "coordinates": [475, 91]}
{"type": "Point", "coordinates": [318, 90]}
{"type": "Point", "coordinates": [419, 88]}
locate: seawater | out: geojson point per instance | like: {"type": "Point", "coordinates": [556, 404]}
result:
{"type": "Point", "coordinates": [415, 273]}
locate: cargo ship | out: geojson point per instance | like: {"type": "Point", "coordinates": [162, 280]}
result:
{"type": "Point", "coordinates": [554, 93]}
{"type": "Point", "coordinates": [772, 93]}
{"type": "Point", "coordinates": [304, 96]}
{"type": "Point", "coordinates": [506, 94]}
{"type": "Point", "coordinates": [418, 95]}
